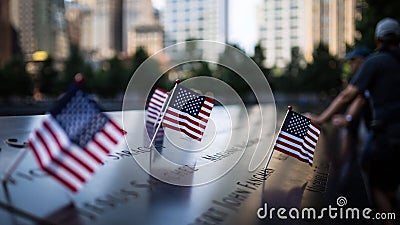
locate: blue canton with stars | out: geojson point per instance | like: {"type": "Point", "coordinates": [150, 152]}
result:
{"type": "Point", "coordinates": [187, 101]}
{"type": "Point", "coordinates": [296, 124]}
{"type": "Point", "coordinates": [79, 116]}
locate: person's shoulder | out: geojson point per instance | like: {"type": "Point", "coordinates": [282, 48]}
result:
{"type": "Point", "coordinates": [377, 56]}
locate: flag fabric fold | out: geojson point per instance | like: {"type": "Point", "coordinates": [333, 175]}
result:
{"type": "Point", "coordinates": [188, 112]}
{"type": "Point", "coordinates": [74, 139]}
{"type": "Point", "coordinates": [153, 113]}
{"type": "Point", "coordinates": [155, 105]}
{"type": "Point", "coordinates": [298, 137]}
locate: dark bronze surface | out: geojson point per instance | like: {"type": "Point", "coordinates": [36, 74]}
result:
{"type": "Point", "coordinates": [121, 192]}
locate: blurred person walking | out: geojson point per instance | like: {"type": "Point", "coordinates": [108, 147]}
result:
{"type": "Point", "coordinates": [359, 108]}
{"type": "Point", "coordinates": [355, 114]}
{"type": "Point", "coordinates": [380, 76]}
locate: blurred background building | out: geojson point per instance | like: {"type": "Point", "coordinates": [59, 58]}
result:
{"type": "Point", "coordinates": [143, 28]}
{"type": "Point", "coordinates": [76, 14]}
{"type": "Point", "coordinates": [196, 20]}
{"type": "Point", "coordinates": [305, 24]}
{"type": "Point", "coordinates": [109, 27]}
{"type": "Point", "coordinates": [185, 20]}
{"type": "Point", "coordinates": [40, 26]}
{"type": "Point", "coordinates": [292, 41]}
{"type": "Point", "coordinates": [100, 26]}
{"type": "Point", "coordinates": [9, 42]}
{"type": "Point", "coordinates": [104, 28]}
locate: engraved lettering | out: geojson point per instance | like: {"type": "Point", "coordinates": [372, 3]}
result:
{"type": "Point", "coordinates": [93, 208]}
{"type": "Point", "coordinates": [114, 157]}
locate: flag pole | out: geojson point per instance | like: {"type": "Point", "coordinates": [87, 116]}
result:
{"type": "Point", "coordinates": [272, 152]}
{"type": "Point", "coordinates": [177, 81]}
{"type": "Point", "coordinates": [276, 138]}
{"type": "Point", "coordinates": [14, 166]}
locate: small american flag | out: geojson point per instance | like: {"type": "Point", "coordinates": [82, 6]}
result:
{"type": "Point", "coordinates": [188, 112]}
{"type": "Point", "coordinates": [298, 137]}
{"type": "Point", "coordinates": [155, 105]}
{"type": "Point", "coordinates": [153, 114]}
{"type": "Point", "coordinates": [74, 139]}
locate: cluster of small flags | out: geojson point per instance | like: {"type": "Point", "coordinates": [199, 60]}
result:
{"type": "Point", "coordinates": [184, 110]}
{"type": "Point", "coordinates": [75, 137]}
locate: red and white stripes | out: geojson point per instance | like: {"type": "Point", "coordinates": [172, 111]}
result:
{"type": "Point", "coordinates": [67, 162]}
{"type": "Point", "coordinates": [194, 127]}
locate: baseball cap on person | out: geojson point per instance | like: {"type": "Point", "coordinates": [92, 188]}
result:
{"type": "Point", "coordinates": [361, 51]}
{"type": "Point", "coordinates": [387, 26]}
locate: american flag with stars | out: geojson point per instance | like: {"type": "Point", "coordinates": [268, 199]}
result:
{"type": "Point", "coordinates": [74, 139]}
{"type": "Point", "coordinates": [188, 112]}
{"type": "Point", "coordinates": [298, 137]}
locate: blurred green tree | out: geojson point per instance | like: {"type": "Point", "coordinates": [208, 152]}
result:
{"type": "Point", "coordinates": [201, 69]}
{"type": "Point", "coordinates": [116, 76]}
{"type": "Point", "coordinates": [139, 57]}
{"type": "Point", "coordinates": [48, 77]}
{"type": "Point", "coordinates": [373, 11]}
{"type": "Point", "coordinates": [323, 75]}
{"type": "Point", "coordinates": [193, 68]}
{"type": "Point", "coordinates": [230, 77]}
{"type": "Point", "coordinates": [14, 80]}
{"type": "Point", "coordinates": [291, 77]}
{"type": "Point", "coordinates": [74, 64]}
{"type": "Point", "coordinates": [259, 58]}
{"type": "Point", "coordinates": [99, 84]}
